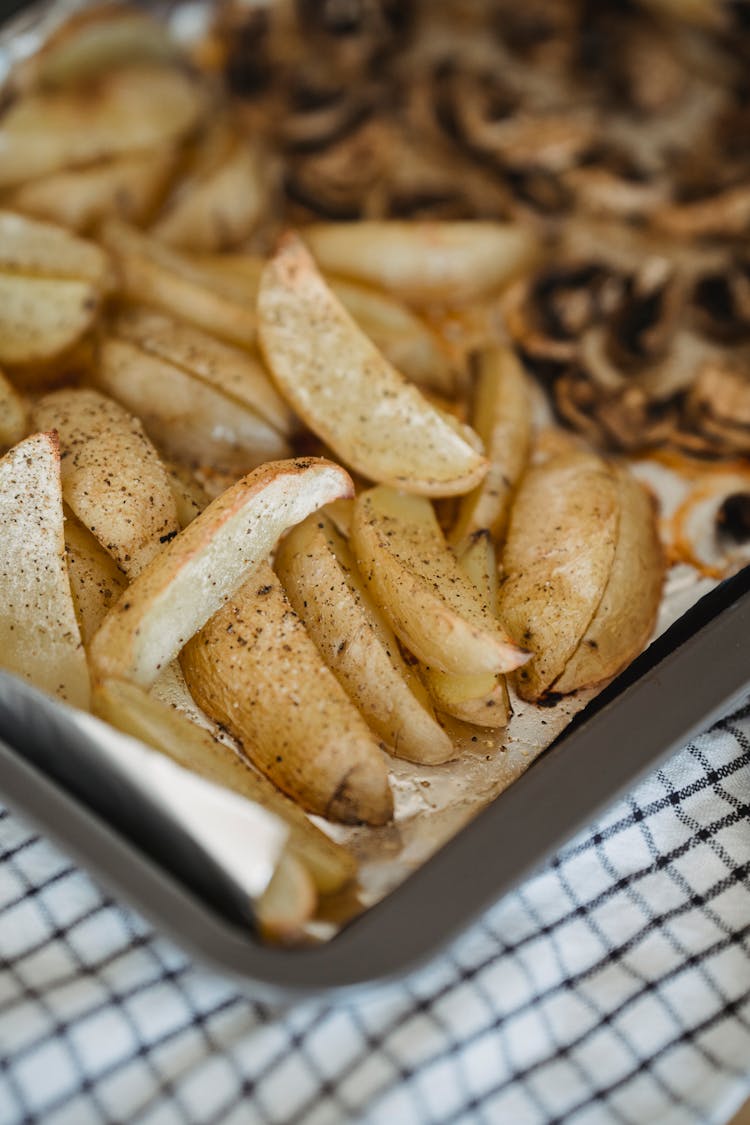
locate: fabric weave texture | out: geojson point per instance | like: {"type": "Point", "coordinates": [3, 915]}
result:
{"type": "Point", "coordinates": [614, 986]}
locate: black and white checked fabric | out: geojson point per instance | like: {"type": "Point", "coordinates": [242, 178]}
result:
{"type": "Point", "coordinates": [613, 987]}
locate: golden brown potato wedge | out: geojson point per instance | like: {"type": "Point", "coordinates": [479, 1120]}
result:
{"type": "Point", "coordinates": [627, 611]}
{"type": "Point", "coordinates": [348, 393]}
{"type": "Point", "coordinates": [14, 415]}
{"type": "Point", "coordinates": [41, 322]}
{"type": "Point", "coordinates": [415, 579]}
{"type": "Point", "coordinates": [128, 187]}
{"type": "Point", "coordinates": [158, 275]}
{"type": "Point", "coordinates": [130, 109]}
{"type": "Point", "coordinates": [557, 560]}
{"type": "Point", "coordinates": [425, 261]}
{"type": "Point", "coordinates": [39, 635]}
{"type": "Point", "coordinates": [131, 709]}
{"type": "Point", "coordinates": [218, 209]}
{"type": "Point", "coordinates": [95, 578]}
{"type": "Point", "coordinates": [480, 699]}
{"type": "Point", "coordinates": [232, 371]}
{"type": "Point", "coordinates": [323, 585]}
{"type": "Point", "coordinates": [187, 418]}
{"type": "Point", "coordinates": [254, 669]}
{"type": "Point", "coordinates": [501, 415]}
{"type": "Point", "coordinates": [44, 250]}
{"type": "Point", "coordinates": [287, 903]}
{"type": "Point", "coordinates": [112, 476]}
{"type": "Point", "coordinates": [207, 563]}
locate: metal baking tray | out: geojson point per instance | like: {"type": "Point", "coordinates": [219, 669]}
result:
{"type": "Point", "coordinates": [688, 678]}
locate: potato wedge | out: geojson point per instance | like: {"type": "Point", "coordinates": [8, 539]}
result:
{"type": "Point", "coordinates": [190, 499]}
{"type": "Point", "coordinates": [219, 209]}
{"type": "Point", "coordinates": [39, 635]}
{"type": "Point", "coordinates": [187, 418]}
{"type": "Point", "coordinates": [232, 371]}
{"type": "Point", "coordinates": [254, 669]}
{"type": "Point", "coordinates": [41, 321]}
{"type": "Point", "coordinates": [415, 579]}
{"type": "Point", "coordinates": [130, 109]}
{"type": "Point", "coordinates": [323, 585]}
{"type": "Point", "coordinates": [207, 563]}
{"type": "Point", "coordinates": [348, 393]}
{"type": "Point", "coordinates": [557, 560]}
{"type": "Point", "coordinates": [158, 275]}
{"type": "Point", "coordinates": [95, 578]}
{"type": "Point", "coordinates": [287, 903]}
{"type": "Point", "coordinates": [424, 261]}
{"type": "Point", "coordinates": [626, 614]}
{"type": "Point", "coordinates": [501, 415]}
{"type": "Point", "coordinates": [44, 250]}
{"type": "Point", "coordinates": [14, 414]}
{"type": "Point", "coordinates": [131, 709]}
{"type": "Point", "coordinates": [480, 699]}
{"type": "Point", "coordinates": [128, 187]}
{"type": "Point", "coordinates": [112, 476]}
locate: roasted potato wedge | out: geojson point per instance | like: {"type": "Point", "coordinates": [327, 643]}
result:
{"type": "Point", "coordinates": [627, 611]}
{"type": "Point", "coordinates": [41, 322]}
{"type": "Point", "coordinates": [131, 709]}
{"type": "Point", "coordinates": [235, 373]}
{"type": "Point", "coordinates": [190, 499]}
{"type": "Point", "coordinates": [206, 564]}
{"type": "Point", "coordinates": [424, 261]}
{"type": "Point", "coordinates": [14, 414]}
{"type": "Point", "coordinates": [37, 249]}
{"type": "Point", "coordinates": [254, 669]}
{"type": "Point", "coordinates": [415, 579]}
{"type": "Point", "coordinates": [95, 578]}
{"type": "Point", "coordinates": [112, 476]}
{"type": "Point", "coordinates": [218, 209]}
{"type": "Point", "coordinates": [480, 699]}
{"type": "Point", "coordinates": [186, 417]}
{"type": "Point", "coordinates": [557, 560]}
{"type": "Point", "coordinates": [501, 415]}
{"type": "Point", "coordinates": [39, 635]}
{"type": "Point", "coordinates": [348, 393]}
{"type": "Point", "coordinates": [158, 275]}
{"type": "Point", "coordinates": [130, 109]}
{"type": "Point", "coordinates": [287, 903]}
{"type": "Point", "coordinates": [128, 187]}
{"type": "Point", "coordinates": [323, 585]}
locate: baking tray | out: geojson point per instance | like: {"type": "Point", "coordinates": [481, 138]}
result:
{"type": "Point", "coordinates": [689, 677]}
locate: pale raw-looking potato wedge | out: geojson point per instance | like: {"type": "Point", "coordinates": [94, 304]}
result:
{"type": "Point", "coordinates": [232, 371]}
{"type": "Point", "coordinates": [321, 581]}
{"type": "Point", "coordinates": [14, 414]}
{"type": "Point", "coordinates": [557, 561]}
{"type": "Point", "coordinates": [480, 699]}
{"type": "Point", "coordinates": [41, 322]}
{"type": "Point", "coordinates": [219, 209]}
{"type": "Point", "coordinates": [95, 578]}
{"type": "Point", "coordinates": [131, 709]}
{"type": "Point", "coordinates": [128, 187]}
{"type": "Point", "coordinates": [39, 635]}
{"type": "Point", "coordinates": [190, 499]}
{"type": "Point", "coordinates": [254, 669]}
{"type": "Point", "coordinates": [155, 274]}
{"type": "Point", "coordinates": [348, 393]}
{"type": "Point", "coordinates": [450, 262]}
{"type": "Point", "coordinates": [501, 415]}
{"type": "Point", "coordinates": [131, 109]}
{"type": "Point", "coordinates": [37, 249]}
{"type": "Point", "coordinates": [396, 330]}
{"type": "Point", "coordinates": [626, 614]}
{"type": "Point", "coordinates": [187, 418]}
{"type": "Point", "coordinates": [415, 579]}
{"type": "Point", "coordinates": [112, 476]}
{"type": "Point", "coordinates": [206, 564]}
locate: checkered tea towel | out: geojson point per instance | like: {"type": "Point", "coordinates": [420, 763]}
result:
{"type": "Point", "coordinates": [613, 987]}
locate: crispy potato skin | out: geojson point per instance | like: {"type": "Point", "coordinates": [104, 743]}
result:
{"type": "Point", "coordinates": [415, 579]}
{"type": "Point", "coordinates": [626, 614]}
{"type": "Point", "coordinates": [321, 581]}
{"type": "Point", "coordinates": [39, 635]}
{"type": "Point", "coordinates": [254, 669]}
{"type": "Point", "coordinates": [348, 393]}
{"type": "Point", "coordinates": [557, 560]}
{"type": "Point", "coordinates": [206, 564]}
{"type": "Point", "coordinates": [112, 476]}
